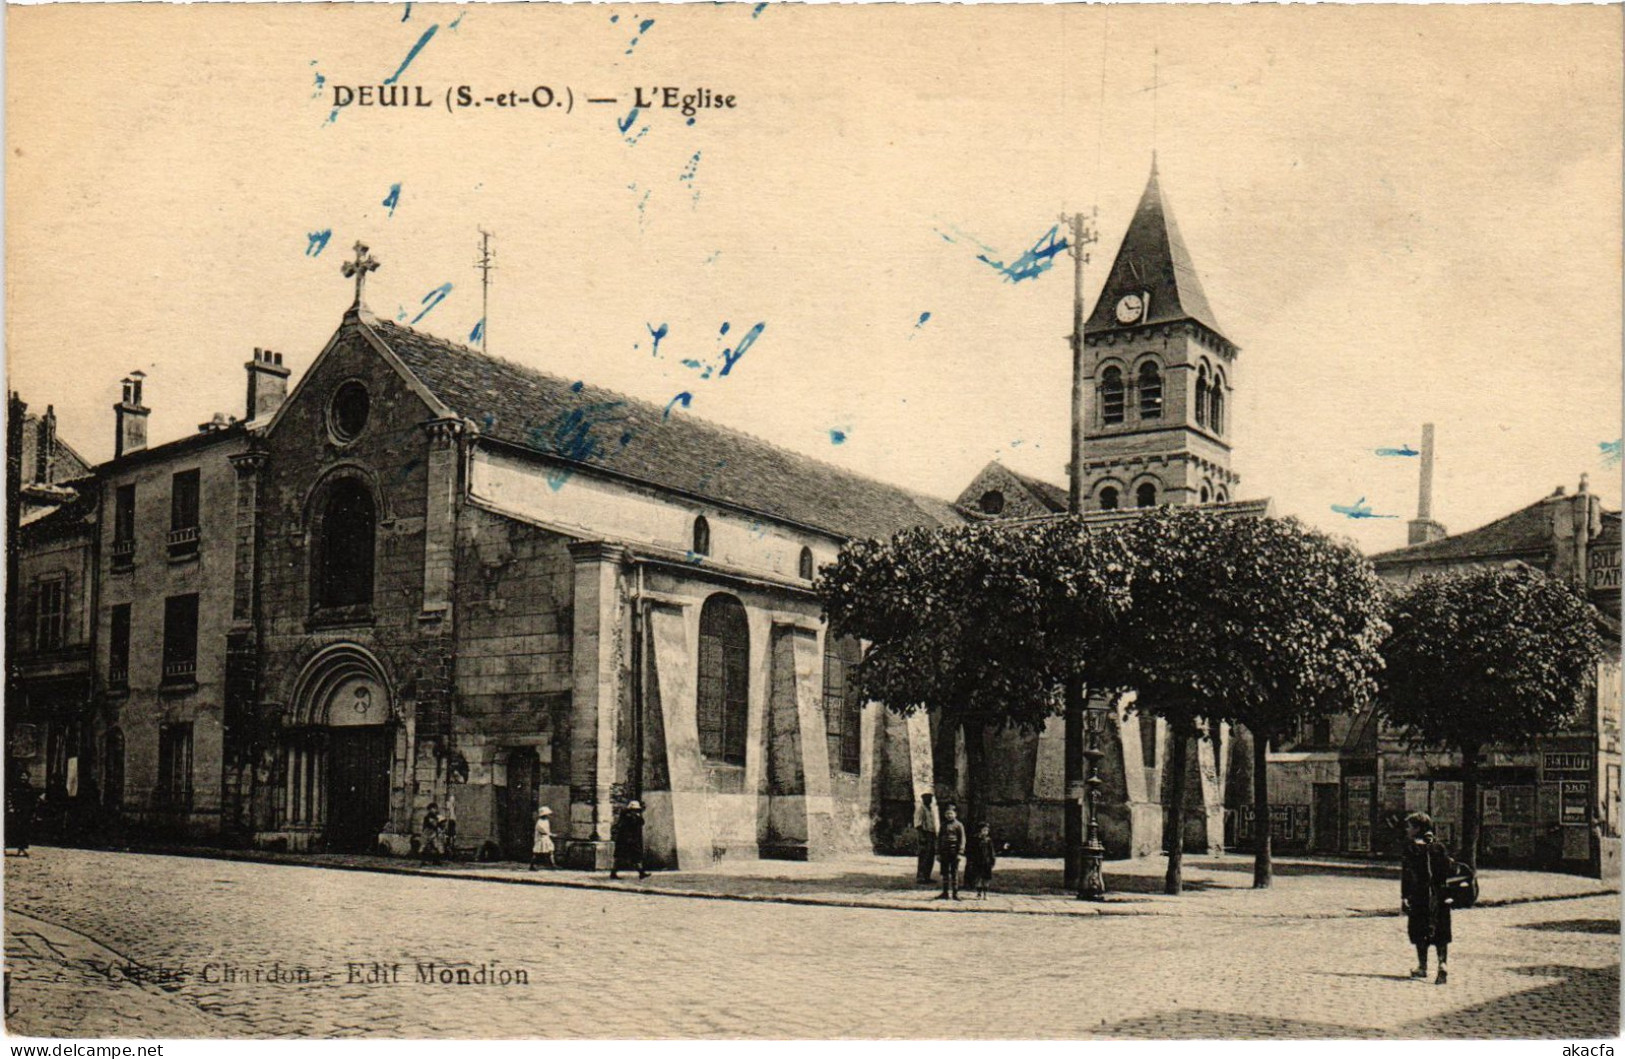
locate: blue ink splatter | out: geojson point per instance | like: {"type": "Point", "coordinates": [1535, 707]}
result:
{"type": "Point", "coordinates": [393, 199]}
{"type": "Point", "coordinates": [1403, 450]}
{"type": "Point", "coordinates": [431, 299]}
{"type": "Point", "coordinates": [478, 332]}
{"type": "Point", "coordinates": [1611, 451]}
{"type": "Point", "coordinates": [317, 242]}
{"type": "Point", "coordinates": [428, 35]}
{"type": "Point", "coordinates": [714, 255]}
{"type": "Point", "coordinates": [614, 19]}
{"type": "Point", "coordinates": [320, 83]}
{"type": "Point", "coordinates": [643, 27]}
{"type": "Point", "coordinates": [658, 333]}
{"type": "Point", "coordinates": [1358, 509]}
{"type": "Point", "coordinates": [688, 174]}
{"type": "Point", "coordinates": [690, 121]}
{"type": "Point", "coordinates": [1033, 262]}
{"type": "Point", "coordinates": [685, 399]}
{"type": "Point", "coordinates": [837, 437]}
{"type": "Point", "coordinates": [408, 13]}
{"type": "Point", "coordinates": [695, 557]}
{"type": "Point", "coordinates": [458, 21]}
{"type": "Point", "coordinates": [577, 386]}
{"type": "Point", "coordinates": [401, 314]}
{"type": "Point", "coordinates": [490, 420]}
{"type": "Point", "coordinates": [570, 435]}
{"type": "Point", "coordinates": [731, 357]}
{"type": "Point", "coordinates": [690, 362]}
{"type": "Point", "coordinates": [921, 323]}
{"type": "Point", "coordinates": [960, 233]}
{"type": "Point", "coordinates": [757, 529]}
{"type": "Point", "coordinates": [757, 10]}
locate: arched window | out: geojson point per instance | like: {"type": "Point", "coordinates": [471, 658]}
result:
{"type": "Point", "coordinates": [1202, 388]}
{"type": "Point", "coordinates": [1146, 495]}
{"type": "Point", "coordinates": [1206, 494]}
{"type": "Point", "coordinates": [1221, 496]}
{"type": "Point", "coordinates": [804, 566]}
{"type": "Point", "coordinates": [724, 679]}
{"type": "Point", "coordinates": [345, 546]}
{"type": "Point", "coordinates": [113, 770]}
{"type": "Point", "coordinates": [992, 502]}
{"type": "Point", "coordinates": [702, 536]}
{"type": "Point", "coordinates": [1111, 396]}
{"type": "Point", "coordinates": [1150, 390]}
{"type": "Point", "coordinates": [1108, 498]}
{"type": "Point", "coordinates": [843, 710]}
{"type": "Point", "coordinates": [1218, 403]}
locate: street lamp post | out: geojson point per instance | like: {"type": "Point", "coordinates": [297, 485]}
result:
{"type": "Point", "coordinates": [1091, 880]}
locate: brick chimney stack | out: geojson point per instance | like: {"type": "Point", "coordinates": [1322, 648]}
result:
{"type": "Point", "coordinates": [1422, 527]}
{"type": "Point", "coordinates": [267, 383]}
{"type": "Point", "coordinates": [131, 416]}
{"type": "Point", "coordinates": [45, 446]}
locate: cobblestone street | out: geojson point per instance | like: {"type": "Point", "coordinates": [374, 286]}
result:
{"type": "Point", "coordinates": [172, 946]}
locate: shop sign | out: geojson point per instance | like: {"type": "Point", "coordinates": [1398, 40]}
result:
{"type": "Point", "coordinates": [1604, 563]}
{"type": "Point", "coordinates": [1566, 762]}
{"type": "Point", "coordinates": [1576, 799]}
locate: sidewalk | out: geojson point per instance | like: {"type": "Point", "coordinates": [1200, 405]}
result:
{"type": "Point", "coordinates": [1214, 886]}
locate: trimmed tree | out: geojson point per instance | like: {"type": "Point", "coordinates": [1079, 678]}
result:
{"type": "Point", "coordinates": [1238, 619]}
{"type": "Point", "coordinates": [1496, 655]}
{"type": "Point", "coordinates": [979, 623]}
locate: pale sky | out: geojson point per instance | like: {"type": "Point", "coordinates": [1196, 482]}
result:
{"type": "Point", "coordinates": [1400, 215]}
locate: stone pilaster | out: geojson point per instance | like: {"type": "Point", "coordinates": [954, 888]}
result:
{"type": "Point", "coordinates": [440, 510]}
{"type": "Point", "coordinates": [1212, 761]}
{"type": "Point", "coordinates": [801, 798]}
{"type": "Point", "coordinates": [248, 466]}
{"type": "Point", "coordinates": [597, 677]}
{"type": "Point", "coordinates": [679, 817]}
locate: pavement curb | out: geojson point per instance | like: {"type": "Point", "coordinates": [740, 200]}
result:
{"type": "Point", "coordinates": [1082, 909]}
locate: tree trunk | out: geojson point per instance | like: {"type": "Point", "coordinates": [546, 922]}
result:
{"type": "Point", "coordinates": [1263, 870]}
{"type": "Point", "coordinates": [975, 784]}
{"type": "Point", "coordinates": [1179, 737]}
{"type": "Point", "coordinates": [944, 759]}
{"type": "Point", "coordinates": [1469, 805]}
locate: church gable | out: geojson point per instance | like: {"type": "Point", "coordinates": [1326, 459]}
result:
{"type": "Point", "coordinates": [998, 492]}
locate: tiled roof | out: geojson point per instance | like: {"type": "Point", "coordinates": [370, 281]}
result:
{"type": "Point", "coordinates": [1153, 260]}
{"type": "Point", "coordinates": [585, 424]}
{"type": "Point", "coordinates": [1525, 532]}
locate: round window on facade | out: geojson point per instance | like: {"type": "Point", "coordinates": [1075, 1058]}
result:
{"type": "Point", "coordinates": [347, 415]}
{"type": "Point", "coordinates": [992, 502]}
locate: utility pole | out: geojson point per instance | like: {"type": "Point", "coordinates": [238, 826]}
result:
{"type": "Point", "coordinates": [1083, 234]}
{"type": "Point", "coordinates": [485, 265]}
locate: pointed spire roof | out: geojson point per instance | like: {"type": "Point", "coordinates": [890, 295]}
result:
{"type": "Point", "coordinates": [1153, 260]}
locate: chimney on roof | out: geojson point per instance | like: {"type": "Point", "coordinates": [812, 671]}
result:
{"type": "Point", "coordinates": [45, 446]}
{"type": "Point", "coordinates": [267, 383]}
{"type": "Point", "coordinates": [1422, 527]}
{"type": "Point", "coordinates": [131, 417]}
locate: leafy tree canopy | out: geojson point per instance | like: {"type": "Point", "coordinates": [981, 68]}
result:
{"type": "Point", "coordinates": [986, 620]}
{"type": "Point", "coordinates": [1493, 655]}
{"type": "Point", "coordinates": [1259, 620]}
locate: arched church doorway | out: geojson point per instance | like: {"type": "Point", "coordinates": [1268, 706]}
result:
{"type": "Point", "coordinates": [339, 751]}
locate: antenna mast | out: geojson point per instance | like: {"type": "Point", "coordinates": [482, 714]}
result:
{"type": "Point", "coordinates": [485, 264]}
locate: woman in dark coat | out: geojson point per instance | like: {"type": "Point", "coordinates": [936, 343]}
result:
{"type": "Point", "coordinates": [628, 836]}
{"type": "Point", "coordinates": [1421, 892]}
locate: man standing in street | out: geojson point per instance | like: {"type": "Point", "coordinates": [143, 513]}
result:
{"type": "Point", "coordinates": [925, 831]}
{"type": "Point", "coordinates": [949, 846]}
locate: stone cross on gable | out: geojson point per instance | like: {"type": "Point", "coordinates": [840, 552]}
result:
{"type": "Point", "coordinates": [363, 264]}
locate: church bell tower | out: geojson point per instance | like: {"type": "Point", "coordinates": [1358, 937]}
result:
{"type": "Point", "coordinates": [1158, 375]}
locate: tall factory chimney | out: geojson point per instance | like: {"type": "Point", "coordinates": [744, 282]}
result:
{"type": "Point", "coordinates": [1422, 527]}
